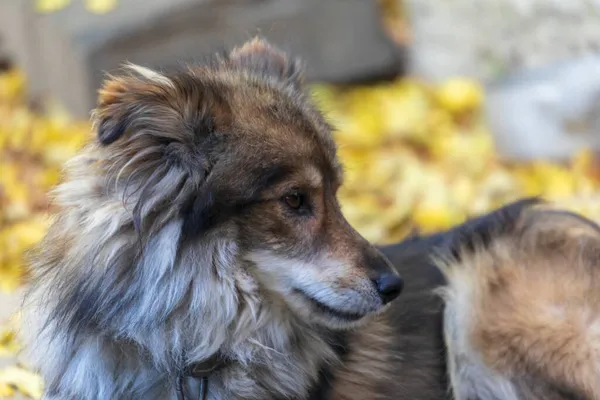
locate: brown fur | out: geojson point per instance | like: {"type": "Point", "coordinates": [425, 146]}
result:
{"type": "Point", "coordinates": [535, 306]}
{"type": "Point", "coordinates": [369, 364]}
{"type": "Point", "coordinates": [204, 223]}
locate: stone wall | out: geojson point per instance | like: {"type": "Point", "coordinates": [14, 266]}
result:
{"type": "Point", "coordinates": [67, 53]}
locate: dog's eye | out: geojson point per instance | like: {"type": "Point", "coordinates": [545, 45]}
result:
{"type": "Point", "coordinates": [294, 200]}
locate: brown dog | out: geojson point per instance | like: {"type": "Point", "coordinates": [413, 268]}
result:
{"type": "Point", "coordinates": [200, 250]}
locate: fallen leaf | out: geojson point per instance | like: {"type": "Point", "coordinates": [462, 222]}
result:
{"type": "Point", "coordinates": [22, 380]}
{"type": "Point", "coordinates": [100, 6]}
{"type": "Point", "coordinates": [49, 6]}
{"type": "Point", "coordinates": [9, 345]}
{"type": "Point", "coordinates": [459, 95]}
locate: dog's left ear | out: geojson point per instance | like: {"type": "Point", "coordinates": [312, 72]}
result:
{"type": "Point", "coordinates": [261, 58]}
{"type": "Point", "coordinates": [160, 130]}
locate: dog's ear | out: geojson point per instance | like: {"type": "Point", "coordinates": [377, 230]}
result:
{"type": "Point", "coordinates": [161, 130]}
{"type": "Point", "coordinates": [127, 97]}
{"type": "Point", "coordinates": [261, 58]}
{"type": "Point", "coordinates": [110, 117]}
{"type": "Point", "coordinates": [169, 109]}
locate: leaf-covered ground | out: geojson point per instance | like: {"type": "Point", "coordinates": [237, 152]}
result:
{"type": "Point", "coordinates": [417, 157]}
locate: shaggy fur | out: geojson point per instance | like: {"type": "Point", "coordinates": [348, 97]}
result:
{"type": "Point", "coordinates": [178, 238]}
{"type": "Point", "coordinates": [203, 222]}
{"type": "Point", "coordinates": [523, 313]}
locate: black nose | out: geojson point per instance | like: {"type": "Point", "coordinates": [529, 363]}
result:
{"type": "Point", "coordinates": [389, 287]}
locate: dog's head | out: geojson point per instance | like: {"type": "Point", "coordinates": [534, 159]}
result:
{"type": "Point", "coordinates": [237, 148]}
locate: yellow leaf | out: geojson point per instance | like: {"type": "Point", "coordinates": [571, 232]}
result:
{"type": "Point", "coordinates": [18, 202]}
{"type": "Point", "coordinates": [404, 109]}
{"type": "Point", "coordinates": [582, 161]}
{"type": "Point", "coordinates": [12, 85]}
{"type": "Point", "coordinates": [58, 153]}
{"type": "Point", "coordinates": [468, 153]}
{"type": "Point", "coordinates": [498, 186]}
{"type": "Point", "coordinates": [11, 275]}
{"type": "Point", "coordinates": [23, 381]}
{"type": "Point", "coordinates": [555, 180]}
{"type": "Point", "coordinates": [463, 192]}
{"type": "Point", "coordinates": [362, 130]}
{"type": "Point", "coordinates": [9, 345]}
{"type": "Point", "coordinates": [49, 6]}
{"type": "Point", "coordinates": [48, 178]}
{"type": "Point", "coordinates": [27, 233]}
{"type": "Point", "coordinates": [432, 219]}
{"type": "Point", "coordinates": [459, 95]}
{"type": "Point", "coordinates": [100, 6]}
{"type": "Point", "coordinates": [6, 391]}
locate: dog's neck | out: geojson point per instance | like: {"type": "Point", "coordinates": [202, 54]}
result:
{"type": "Point", "coordinates": [270, 352]}
{"type": "Point", "coordinates": [297, 364]}
{"type": "Point", "coordinates": [195, 382]}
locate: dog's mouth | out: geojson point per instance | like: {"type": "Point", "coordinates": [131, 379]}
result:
{"type": "Point", "coordinates": [325, 309]}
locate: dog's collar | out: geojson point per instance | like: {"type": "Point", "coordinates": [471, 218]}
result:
{"type": "Point", "coordinates": [206, 367]}
{"type": "Point", "coordinates": [202, 371]}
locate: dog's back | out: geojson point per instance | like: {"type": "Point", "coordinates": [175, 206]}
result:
{"type": "Point", "coordinates": [506, 306]}
{"type": "Point", "coordinates": [523, 311]}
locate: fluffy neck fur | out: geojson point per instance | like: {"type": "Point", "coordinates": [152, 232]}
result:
{"type": "Point", "coordinates": [119, 316]}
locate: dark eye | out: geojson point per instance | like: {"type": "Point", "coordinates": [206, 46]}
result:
{"type": "Point", "coordinates": [294, 200]}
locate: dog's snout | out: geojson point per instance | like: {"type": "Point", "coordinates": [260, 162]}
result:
{"type": "Point", "coordinates": [387, 282]}
{"type": "Point", "coordinates": [389, 286]}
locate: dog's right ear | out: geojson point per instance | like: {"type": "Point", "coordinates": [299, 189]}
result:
{"type": "Point", "coordinates": [125, 98]}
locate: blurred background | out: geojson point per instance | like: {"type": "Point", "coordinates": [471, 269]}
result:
{"type": "Point", "coordinates": [444, 109]}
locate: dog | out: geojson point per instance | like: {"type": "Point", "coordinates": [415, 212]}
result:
{"type": "Point", "coordinates": [199, 251]}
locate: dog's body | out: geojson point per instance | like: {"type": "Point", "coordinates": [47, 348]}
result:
{"type": "Point", "coordinates": [203, 225]}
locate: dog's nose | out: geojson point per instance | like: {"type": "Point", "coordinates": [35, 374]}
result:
{"type": "Point", "coordinates": [389, 286]}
